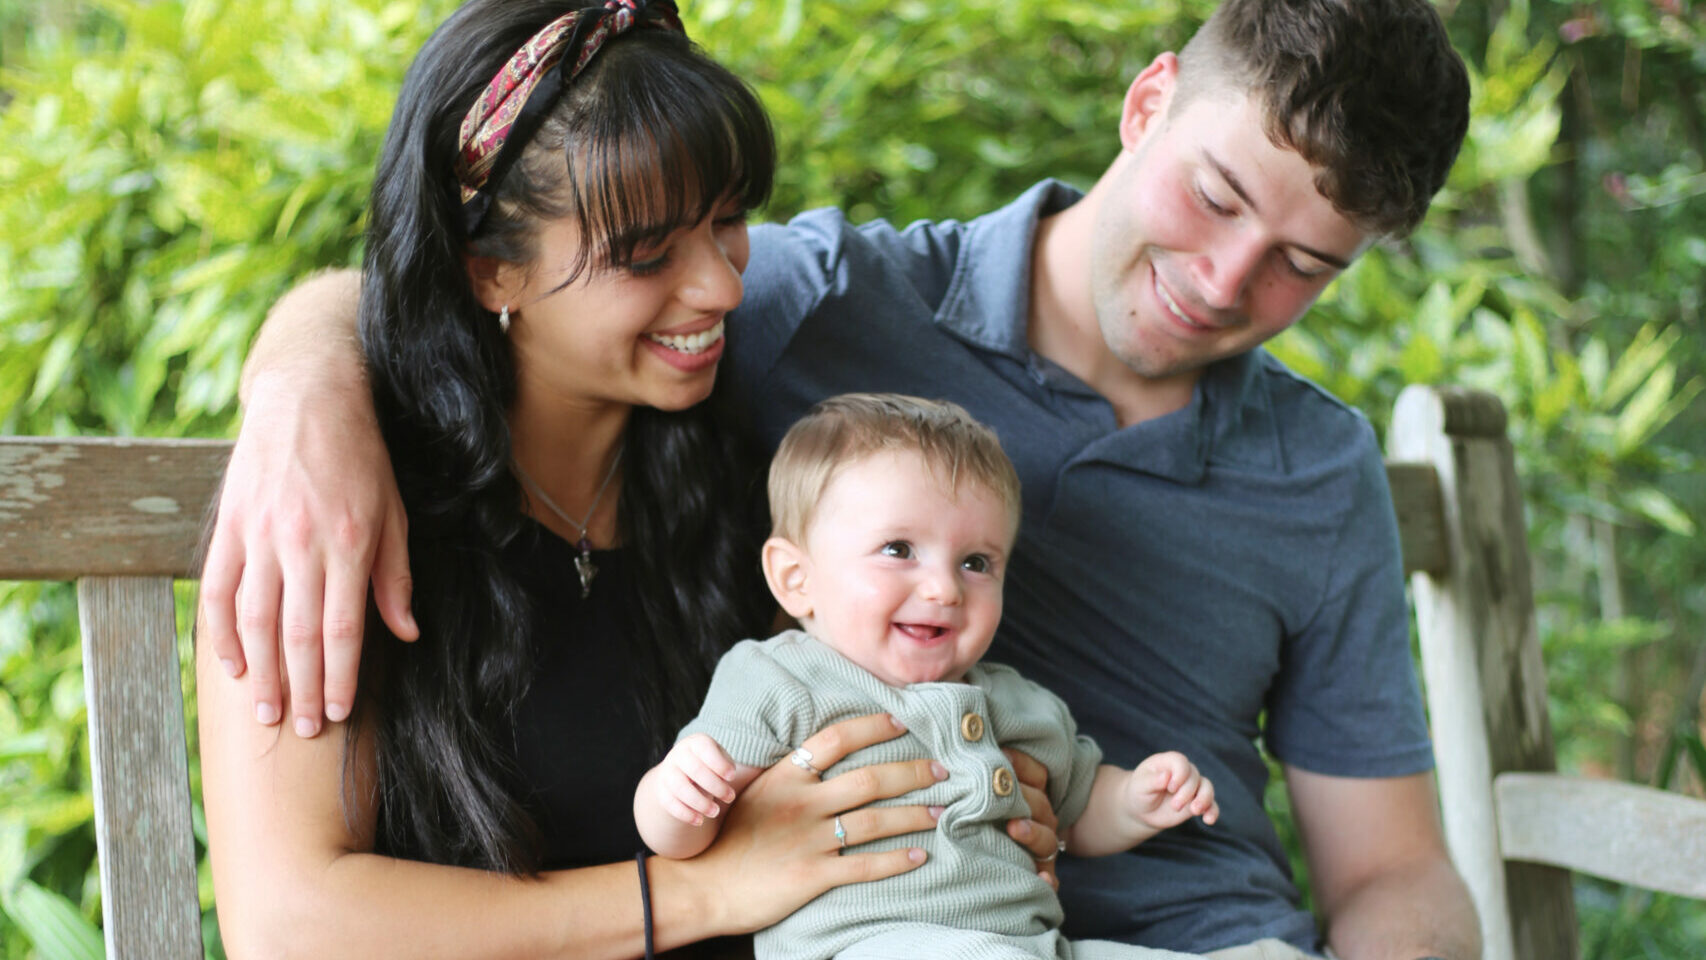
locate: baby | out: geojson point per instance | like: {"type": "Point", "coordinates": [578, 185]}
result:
{"type": "Point", "coordinates": [893, 520]}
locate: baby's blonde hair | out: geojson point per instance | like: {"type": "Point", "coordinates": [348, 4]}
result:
{"type": "Point", "coordinates": [848, 428]}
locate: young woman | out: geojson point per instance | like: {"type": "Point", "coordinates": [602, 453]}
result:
{"type": "Point", "coordinates": [556, 235]}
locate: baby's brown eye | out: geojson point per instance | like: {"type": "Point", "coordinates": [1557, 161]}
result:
{"type": "Point", "coordinates": [976, 563]}
{"type": "Point", "coordinates": [898, 549]}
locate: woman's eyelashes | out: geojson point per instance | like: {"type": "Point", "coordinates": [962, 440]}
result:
{"type": "Point", "coordinates": [645, 268]}
{"type": "Point", "coordinates": [655, 261]}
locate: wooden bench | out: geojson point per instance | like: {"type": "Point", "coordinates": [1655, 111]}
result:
{"type": "Point", "coordinates": [122, 518]}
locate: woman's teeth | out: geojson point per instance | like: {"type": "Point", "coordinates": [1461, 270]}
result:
{"type": "Point", "coordinates": [690, 343]}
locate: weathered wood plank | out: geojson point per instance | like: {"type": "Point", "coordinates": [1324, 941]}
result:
{"type": "Point", "coordinates": [83, 506]}
{"type": "Point", "coordinates": [1481, 662]}
{"type": "Point", "coordinates": [1421, 517]}
{"type": "Point", "coordinates": [1619, 831]}
{"type": "Point", "coordinates": [140, 761]}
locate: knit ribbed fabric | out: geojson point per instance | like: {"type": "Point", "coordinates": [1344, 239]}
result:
{"type": "Point", "coordinates": [768, 696]}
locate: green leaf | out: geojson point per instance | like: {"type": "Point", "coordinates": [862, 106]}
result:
{"type": "Point", "coordinates": [1645, 352]}
{"type": "Point", "coordinates": [1594, 363]}
{"type": "Point", "coordinates": [53, 924]}
{"type": "Point", "coordinates": [1643, 416]}
{"type": "Point", "coordinates": [1662, 510]}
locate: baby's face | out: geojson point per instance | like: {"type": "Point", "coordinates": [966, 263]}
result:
{"type": "Point", "coordinates": [905, 573]}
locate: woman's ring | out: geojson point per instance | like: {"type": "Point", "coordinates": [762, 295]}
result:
{"type": "Point", "coordinates": [802, 758]}
{"type": "Point", "coordinates": [841, 833]}
{"type": "Point", "coordinates": [1059, 848]}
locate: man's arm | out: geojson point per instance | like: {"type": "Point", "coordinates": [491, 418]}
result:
{"type": "Point", "coordinates": [1379, 868]}
{"type": "Point", "coordinates": [308, 514]}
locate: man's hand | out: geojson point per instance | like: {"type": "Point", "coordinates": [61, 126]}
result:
{"type": "Point", "coordinates": [308, 514]}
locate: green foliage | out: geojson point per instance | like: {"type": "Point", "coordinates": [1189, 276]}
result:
{"type": "Point", "coordinates": [168, 186]}
{"type": "Point", "coordinates": [911, 110]}
{"type": "Point", "coordinates": [53, 924]}
{"type": "Point", "coordinates": [174, 165]}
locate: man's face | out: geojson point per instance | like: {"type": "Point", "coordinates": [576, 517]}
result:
{"type": "Point", "coordinates": [1211, 239]}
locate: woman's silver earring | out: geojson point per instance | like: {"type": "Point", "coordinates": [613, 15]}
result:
{"type": "Point", "coordinates": [503, 319]}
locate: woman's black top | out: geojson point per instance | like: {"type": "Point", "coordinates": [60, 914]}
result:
{"type": "Point", "coordinates": [580, 746]}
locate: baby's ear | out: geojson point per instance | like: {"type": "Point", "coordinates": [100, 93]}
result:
{"type": "Point", "coordinates": [787, 569]}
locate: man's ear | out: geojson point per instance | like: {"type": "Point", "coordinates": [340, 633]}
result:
{"type": "Point", "coordinates": [787, 569]}
{"type": "Point", "coordinates": [1147, 99]}
{"type": "Point", "coordinates": [497, 283]}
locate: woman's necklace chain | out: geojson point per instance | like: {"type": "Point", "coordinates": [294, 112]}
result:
{"type": "Point", "coordinates": [584, 566]}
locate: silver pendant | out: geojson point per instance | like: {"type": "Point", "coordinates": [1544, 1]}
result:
{"type": "Point", "coordinates": [585, 567]}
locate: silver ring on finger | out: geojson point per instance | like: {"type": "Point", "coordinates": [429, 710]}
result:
{"type": "Point", "coordinates": [840, 833]}
{"type": "Point", "coordinates": [1059, 848]}
{"type": "Point", "coordinates": [802, 758]}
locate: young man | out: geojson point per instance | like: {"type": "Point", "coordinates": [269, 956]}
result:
{"type": "Point", "coordinates": [1206, 535]}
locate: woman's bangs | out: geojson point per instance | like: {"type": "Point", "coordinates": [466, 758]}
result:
{"type": "Point", "coordinates": [673, 144]}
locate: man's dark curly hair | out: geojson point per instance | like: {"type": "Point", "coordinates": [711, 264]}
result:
{"type": "Point", "coordinates": [1370, 92]}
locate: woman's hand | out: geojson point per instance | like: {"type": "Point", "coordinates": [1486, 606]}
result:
{"type": "Point", "coordinates": [778, 849]}
{"type": "Point", "coordinates": [1039, 834]}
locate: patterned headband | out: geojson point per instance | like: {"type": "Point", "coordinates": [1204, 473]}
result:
{"type": "Point", "coordinates": [518, 98]}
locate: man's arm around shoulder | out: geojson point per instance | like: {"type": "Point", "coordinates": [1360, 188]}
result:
{"type": "Point", "coordinates": [308, 512]}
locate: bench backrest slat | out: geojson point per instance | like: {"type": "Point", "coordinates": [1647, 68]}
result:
{"type": "Point", "coordinates": [122, 518]}
{"type": "Point", "coordinates": [1620, 831]}
{"type": "Point", "coordinates": [79, 507]}
{"type": "Point", "coordinates": [136, 742]}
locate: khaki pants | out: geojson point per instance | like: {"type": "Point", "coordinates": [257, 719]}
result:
{"type": "Point", "coordinates": [1262, 950]}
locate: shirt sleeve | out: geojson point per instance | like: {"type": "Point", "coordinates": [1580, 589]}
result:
{"type": "Point", "coordinates": [755, 709]}
{"type": "Point", "coordinates": [789, 272]}
{"type": "Point", "coordinates": [1346, 700]}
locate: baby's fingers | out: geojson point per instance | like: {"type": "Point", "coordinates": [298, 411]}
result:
{"type": "Point", "coordinates": [1185, 787]}
{"type": "Point", "coordinates": [1204, 804]}
{"type": "Point", "coordinates": [681, 789]}
{"type": "Point", "coordinates": [681, 811]}
{"type": "Point", "coordinates": [711, 777]}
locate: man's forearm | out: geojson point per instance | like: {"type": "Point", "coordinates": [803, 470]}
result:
{"type": "Point", "coordinates": [1379, 868]}
{"type": "Point", "coordinates": [312, 326]}
{"type": "Point", "coordinates": [1418, 910]}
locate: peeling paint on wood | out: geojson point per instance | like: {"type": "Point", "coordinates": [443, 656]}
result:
{"type": "Point", "coordinates": [83, 506]}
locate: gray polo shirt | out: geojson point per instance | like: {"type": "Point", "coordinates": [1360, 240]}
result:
{"type": "Point", "coordinates": [1224, 574]}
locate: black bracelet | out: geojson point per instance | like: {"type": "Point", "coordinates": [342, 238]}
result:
{"type": "Point", "coordinates": [645, 900]}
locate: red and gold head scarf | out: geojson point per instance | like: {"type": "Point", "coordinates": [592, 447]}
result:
{"type": "Point", "coordinates": [523, 91]}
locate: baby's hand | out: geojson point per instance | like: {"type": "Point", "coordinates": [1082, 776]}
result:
{"type": "Point", "coordinates": [693, 777]}
{"type": "Point", "coordinates": [1166, 790]}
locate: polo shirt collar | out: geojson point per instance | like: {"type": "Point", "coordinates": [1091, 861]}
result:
{"type": "Point", "coordinates": [988, 298]}
{"type": "Point", "coordinates": [987, 305]}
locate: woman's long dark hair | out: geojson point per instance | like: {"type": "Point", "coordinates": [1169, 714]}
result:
{"type": "Point", "coordinates": [651, 132]}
